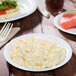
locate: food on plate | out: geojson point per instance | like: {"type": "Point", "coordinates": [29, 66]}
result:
{"type": "Point", "coordinates": [8, 9]}
{"type": "Point", "coordinates": [68, 20]}
{"type": "Point", "coordinates": [36, 53]}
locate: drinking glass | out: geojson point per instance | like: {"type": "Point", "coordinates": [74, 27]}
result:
{"type": "Point", "coordinates": [55, 6]}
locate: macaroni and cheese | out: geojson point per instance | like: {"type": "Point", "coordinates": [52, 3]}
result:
{"type": "Point", "coordinates": [36, 53]}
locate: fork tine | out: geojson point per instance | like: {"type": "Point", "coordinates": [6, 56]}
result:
{"type": "Point", "coordinates": [4, 31]}
{"type": "Point", "coordinates": [3, 27]}
{"type": "Point", "coordinates": [9, 31]}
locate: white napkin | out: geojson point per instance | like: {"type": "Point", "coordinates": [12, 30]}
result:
{"type": "Point", "coordinates": [12, 33]}
{"type": "Point", "coordinates": [42, 8]}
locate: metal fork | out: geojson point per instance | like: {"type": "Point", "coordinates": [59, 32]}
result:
{"type": "Point", "coordinates": [4, 32]}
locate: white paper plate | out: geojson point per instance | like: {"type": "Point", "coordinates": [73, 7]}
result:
{"type": "Point", "coordinates": [27, 7]}
{"type": "Point", "coordinates": [56, 23]}
{"type": "Point", "coordinates": [49, 37]}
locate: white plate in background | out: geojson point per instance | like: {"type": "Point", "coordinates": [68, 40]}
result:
{"type": "Point", "coordinates": [56, 23]}
{"type": "Point", "coordinates": [58, 41]}
{"type": "Point", "coordinates": [27, 7]}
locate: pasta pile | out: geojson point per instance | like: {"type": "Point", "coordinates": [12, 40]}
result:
{"type": "Point", "coordinates": [36, 53]}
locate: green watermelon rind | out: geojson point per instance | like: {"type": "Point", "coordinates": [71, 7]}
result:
{"type": "Point", "coordinates": [68, 12]}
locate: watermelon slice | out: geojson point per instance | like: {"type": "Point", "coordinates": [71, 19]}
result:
{"type": "Point", "coordinates": [68, 20]}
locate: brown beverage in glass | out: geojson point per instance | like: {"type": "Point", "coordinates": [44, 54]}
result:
{"type": "Point", "coordinates": [54, 6]}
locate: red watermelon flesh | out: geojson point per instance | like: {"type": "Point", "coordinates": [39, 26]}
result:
{"type": "Point", "coordinates": [68, 20]}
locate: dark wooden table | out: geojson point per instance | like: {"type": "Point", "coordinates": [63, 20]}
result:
{"type": "Point", "coordinates": [36, 23]}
